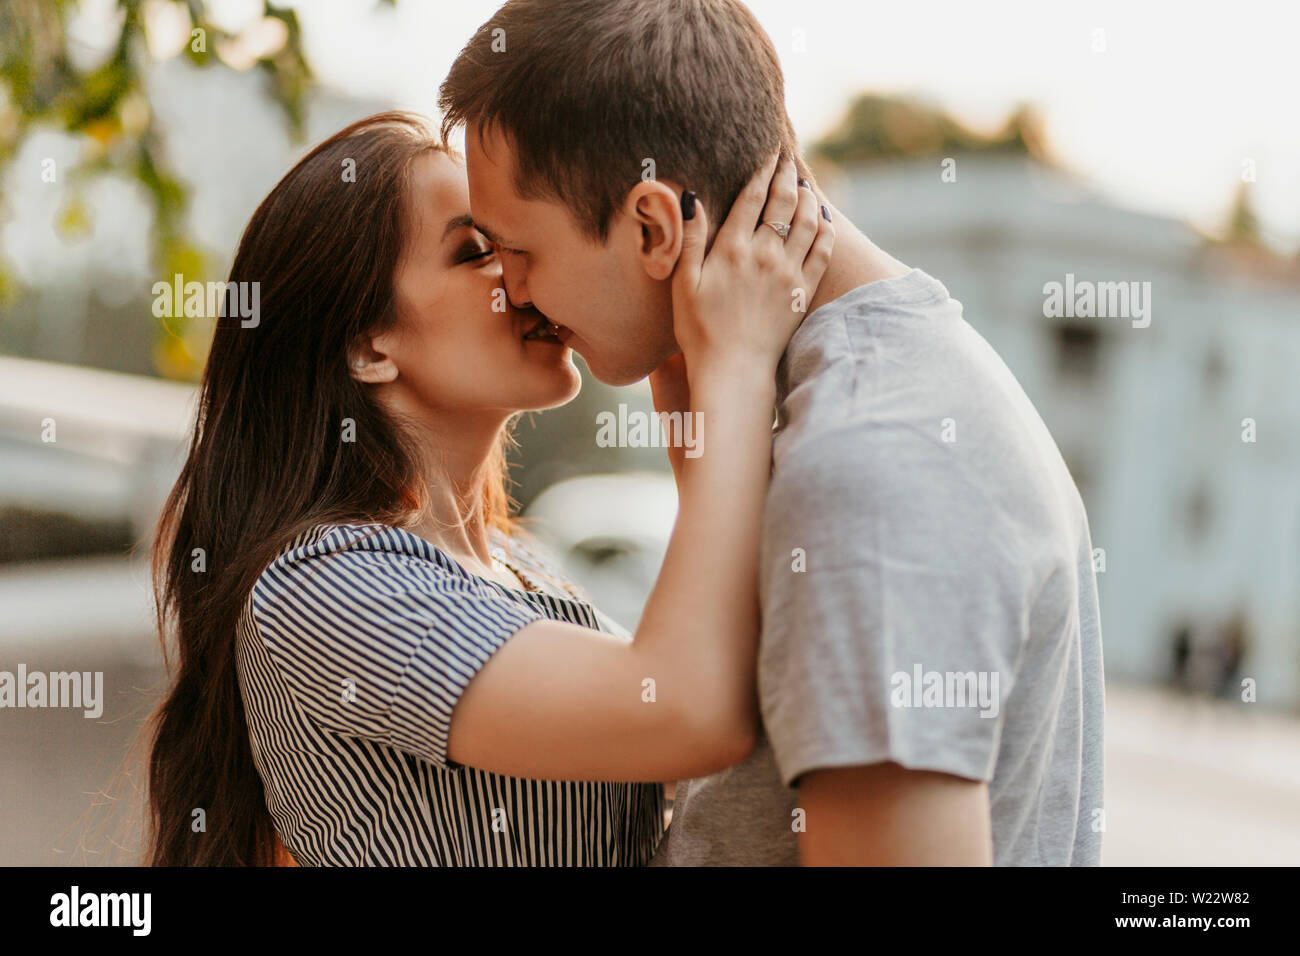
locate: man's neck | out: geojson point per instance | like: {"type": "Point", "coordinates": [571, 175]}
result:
{"type": "Point", "coordinates": [855, 261]}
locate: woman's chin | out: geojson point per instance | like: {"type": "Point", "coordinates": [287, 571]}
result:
{"type": "Point", "coordinates": [563, 387]}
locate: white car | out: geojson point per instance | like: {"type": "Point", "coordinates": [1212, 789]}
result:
{"type": "Point", "coordinates": [610, 533]}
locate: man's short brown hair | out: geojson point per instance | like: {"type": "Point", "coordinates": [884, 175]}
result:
{"type": "Point", "coordinates": [588, 90]}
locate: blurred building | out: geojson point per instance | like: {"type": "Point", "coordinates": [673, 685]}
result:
{"type": "Point", "coordinates": [1199, 529]}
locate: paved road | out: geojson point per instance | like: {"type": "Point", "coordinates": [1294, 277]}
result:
{"type": "Point", "coordinates": [1193, 783]}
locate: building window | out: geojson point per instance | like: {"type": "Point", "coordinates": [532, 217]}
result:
{"type": "Point", "coordinates": [1078, 349]}
{"type": "Point", "coordinates": [1215, 368]}
{"type": "Point", "coordinates": [1199, 508]}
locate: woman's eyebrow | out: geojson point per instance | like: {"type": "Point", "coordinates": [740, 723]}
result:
{"type": "Point", "coordinates": [458, 222]}
{"type": "Point", "coordinates": [491, 236]}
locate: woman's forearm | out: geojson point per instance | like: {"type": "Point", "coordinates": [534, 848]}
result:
{"type": "Point", "coordinates": [699, 627]}
{"type": "Point", "coordinates": [564, 702]}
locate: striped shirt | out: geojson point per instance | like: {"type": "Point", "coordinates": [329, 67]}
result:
{"type": "Point", "coordinates": [354, 646]}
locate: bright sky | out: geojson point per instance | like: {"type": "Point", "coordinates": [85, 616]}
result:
{"type": "Point", "coordinates": [1161, 120]}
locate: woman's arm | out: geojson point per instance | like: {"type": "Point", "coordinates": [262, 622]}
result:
{"type": "Point", "coordinates": [560, 701]}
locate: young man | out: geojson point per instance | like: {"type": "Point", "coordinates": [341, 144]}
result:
{"type": "Point", "coordinates": [930, 665]}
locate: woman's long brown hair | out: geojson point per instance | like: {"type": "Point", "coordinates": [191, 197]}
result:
{"type": "Point", "coordinates": [267, 461]}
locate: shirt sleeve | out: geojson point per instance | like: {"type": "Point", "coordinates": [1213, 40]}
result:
{"type": "Point", "coordinates": [380, 645]}
{"type": "Point", "coordinates": [892, 609]}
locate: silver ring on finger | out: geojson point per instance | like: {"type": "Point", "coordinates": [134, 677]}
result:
{"type": "Point", "coordinates": [782, 228]}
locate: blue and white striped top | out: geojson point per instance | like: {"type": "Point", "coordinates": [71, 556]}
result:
{"type": "Point", "coordinates": [354, 646]}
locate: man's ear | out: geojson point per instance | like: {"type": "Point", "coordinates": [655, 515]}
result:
{"type": "Point", "coordinates": [655, 208]}
{"type": "Point", "coordinates": [369, 360]}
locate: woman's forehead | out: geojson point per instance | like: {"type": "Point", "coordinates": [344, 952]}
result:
{"type": "Point", "coordinates": [438, 196]}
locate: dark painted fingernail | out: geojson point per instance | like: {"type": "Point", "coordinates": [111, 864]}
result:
{"type": "Point", "coordinates": [804, 184]}
{"type": "Point", "coordinates": [826, 214]}
{"type": "Point", "coordinates": [688, 204]}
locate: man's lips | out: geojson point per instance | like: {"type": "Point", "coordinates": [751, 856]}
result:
{"type": "Point", "coordinates": [543, 330]}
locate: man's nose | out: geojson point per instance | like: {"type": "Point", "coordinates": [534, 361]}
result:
{"type": "Point", "coordinates": [512, 277]}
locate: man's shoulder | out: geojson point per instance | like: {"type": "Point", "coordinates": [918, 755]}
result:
{"type": "Point", "coordinates": [902, 398]}
{"type": "Point", "coordinates": [924, 473]}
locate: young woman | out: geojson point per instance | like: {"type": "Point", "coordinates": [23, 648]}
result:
{"type": "Point", "coordinates": [375, 667]}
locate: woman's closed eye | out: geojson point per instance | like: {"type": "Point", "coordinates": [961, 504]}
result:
{"type": "Point", "coordinates": [473, 251]}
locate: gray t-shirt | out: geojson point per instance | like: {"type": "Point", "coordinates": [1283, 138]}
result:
{"type": "Point", "coordinates": [927, 588]}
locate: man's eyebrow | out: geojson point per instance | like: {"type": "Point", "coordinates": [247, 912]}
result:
{"type": "Point", "coordinates": [458, 222]}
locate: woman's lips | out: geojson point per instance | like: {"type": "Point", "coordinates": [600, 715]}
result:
{"type": "Point", "coordinates": [563, 334]}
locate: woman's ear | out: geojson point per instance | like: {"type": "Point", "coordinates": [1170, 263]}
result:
{"type": "Point", "coordinates": [368, 360]}
{"type": "Point", "coordinates": [655, 208]}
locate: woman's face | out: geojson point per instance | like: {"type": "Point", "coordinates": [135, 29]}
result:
{"type": "Point", "coordinates": [458, 345]}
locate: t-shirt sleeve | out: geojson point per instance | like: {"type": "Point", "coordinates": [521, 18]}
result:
{"type": "Point", "coordinates": [379, 645]}
{"type": "Point", "coordinates": [892, 610]}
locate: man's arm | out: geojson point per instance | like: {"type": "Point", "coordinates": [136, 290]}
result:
{"type": "Point", "coordinates": [887, 815]}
